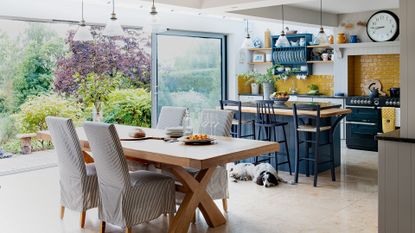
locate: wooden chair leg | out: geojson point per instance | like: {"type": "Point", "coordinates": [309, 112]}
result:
{"type": "Point", "coordinates": [171, 217]}
{"type": "Point", "coordinates": [225, 204]}
{"type": "Point", "coordinates": [62, 212]}
{"type": "Point", "coordinates": [83, 216]}
{"type": "Point", "coordinates": [102, 228]}
{"type": "Point", "coordinates": [128, 230]}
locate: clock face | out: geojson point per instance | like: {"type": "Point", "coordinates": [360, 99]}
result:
{"type": "Point", "coordinates": [383, 26]}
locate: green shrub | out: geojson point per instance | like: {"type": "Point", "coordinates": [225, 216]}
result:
{"type": "Point", "coordinates": [33, 112]}
{"type": "Point", "coordinates": [129, 107]}
{"type": "Point", "coordinates": [3, 104]}
{"type": "Point", "coordinates": [8, 129]}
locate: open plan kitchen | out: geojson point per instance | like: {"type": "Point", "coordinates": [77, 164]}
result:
{"type": "Point", "coordinates": [207, 116]}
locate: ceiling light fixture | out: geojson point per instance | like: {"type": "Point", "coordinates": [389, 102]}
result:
{"type": "Point", "coordinates": [321, 37]}
{"type": "Point", "coordinates": [156, 26]}
{"type": "Point", "coordinates": [282, 39]}
{"type": "Point", "coordinates": [247, 43]}
{"type": "Point", "coordinates": [113, 27]}
{"type": "Point", "coordinates": [83, 32]}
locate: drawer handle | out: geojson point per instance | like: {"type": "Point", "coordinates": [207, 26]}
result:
{"type": "Point", "coordinates": [360, 123]}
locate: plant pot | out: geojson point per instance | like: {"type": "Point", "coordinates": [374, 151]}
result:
{"type": "Point", "coordinates": [254, 88]}
{"type": "Point", "coordinates": [267, 89]}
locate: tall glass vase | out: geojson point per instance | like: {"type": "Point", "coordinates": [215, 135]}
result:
{"type": "Point", "coordinates": [98, 113]}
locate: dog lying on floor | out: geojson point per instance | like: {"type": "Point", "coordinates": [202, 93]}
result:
{"type": "Point", "coordinates": [263, 174]}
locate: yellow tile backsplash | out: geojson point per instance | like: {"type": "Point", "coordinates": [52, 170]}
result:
{"type": "Point", "coordinates": [324, 82]}
{"type": "Point", "coordinates": [363, 68]}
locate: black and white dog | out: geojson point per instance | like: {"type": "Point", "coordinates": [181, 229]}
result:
{"type": "Point", "coordinates": [263, 174]}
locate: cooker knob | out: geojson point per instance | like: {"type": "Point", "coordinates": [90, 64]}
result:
{"type": "Point", "coordinates": [394, 103]}
{"type": "Point", "coordinates": [398, 103]}
{"type": "Point", "coordinates": [387, 102]}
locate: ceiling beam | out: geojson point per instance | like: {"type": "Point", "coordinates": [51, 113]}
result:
{"type": "Point", "coordinates": [292, 14]}
{"type": "Point", "coordinates": [244, 4]}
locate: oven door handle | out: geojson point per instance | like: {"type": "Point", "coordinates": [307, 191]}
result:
{"type": "Point", "coordinates": [366, 107]}
{"type": "Point", "coordinates": [360, 123]}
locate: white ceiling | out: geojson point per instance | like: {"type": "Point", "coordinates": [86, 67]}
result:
{"type": "Point", "coordinates": [349, 6]}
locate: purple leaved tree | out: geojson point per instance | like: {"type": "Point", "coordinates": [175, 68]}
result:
{"type": "Point", "coordinates": [128, 56]}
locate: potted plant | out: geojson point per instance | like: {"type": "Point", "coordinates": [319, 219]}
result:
{"type": "Point", "coordinates": [267, 81]}
{"type": "Point", "coordinates": [94, 90]}
{"type": "Point", "coordinates": [252, 78]}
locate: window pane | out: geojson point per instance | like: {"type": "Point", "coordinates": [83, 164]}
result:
{"type": "Point", "coordinates": [189, 73]}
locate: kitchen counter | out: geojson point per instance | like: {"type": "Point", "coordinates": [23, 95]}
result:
{"type": "Point", "coordinates": [394, 136]}
{"type": "Point", "coordinates": [319, 96]}
{"type": "Point", "coordinates": [327, 109]}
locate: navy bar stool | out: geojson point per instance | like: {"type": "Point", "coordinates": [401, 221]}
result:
{"type": "Point", "coordinates": [238, 122]}
{"type": "Point", "coordinates": [302, 124]}
{"type": "Point", "coordinates": [266, 121]}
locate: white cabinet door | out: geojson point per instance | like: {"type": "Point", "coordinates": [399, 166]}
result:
{"type": "Point", "coordinates": [304, 99]}
{"type": "Point", "coordinates": [250, 98]}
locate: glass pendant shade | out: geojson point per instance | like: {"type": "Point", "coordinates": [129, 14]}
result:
{"type": "Point", "coordinates": [156, 26]}
{"type": "Point", "coordinates": [83, 33]}
{"type": "Point", "coordinates": [247, 43]}
{"type": "Point", "coordinates": [282, 41]}
{"type": "Point", "coordinates": [113, 28]}
{"type": "Point", "coordinates": [321, 37]}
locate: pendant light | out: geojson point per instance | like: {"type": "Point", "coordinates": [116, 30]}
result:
{"type": "Point", "coordinates": [282, 39]}
{"type": "Point", "coordinates": [113, 27]}
{"type": "Point", "coordinates": [321, 37]}
{"type": "Point", "coordinates": [83, 32]}
{"type": "Point", "coordinates": [247, 43]}
{"type": "Point", "coordinates": [156, 26]}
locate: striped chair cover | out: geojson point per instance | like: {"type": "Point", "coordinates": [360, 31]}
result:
{"type": "Point", "coordinates": [78, 182]}
{"type": "Point", "coordinates": [218, 185]}
{"type": "Point", "coordinates": [127, 199]}
{"type": "Point", "coordinates": [171, 117]}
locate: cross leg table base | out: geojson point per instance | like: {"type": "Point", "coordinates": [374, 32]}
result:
{"type": "Point", "coordinates": [196, 196]}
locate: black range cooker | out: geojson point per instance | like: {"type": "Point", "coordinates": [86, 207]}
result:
{"type": "Point", "coordinates": [365, 121]}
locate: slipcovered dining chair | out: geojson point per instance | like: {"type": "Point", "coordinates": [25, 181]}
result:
{"type": "Point", "coordinates": [221, 122]}
{"type": "Point", "coordinates": [78, 181]}
{"type": "Point", "coordinates": [170, 117]}
{"type": "Point", "coordinates": [127, 199]}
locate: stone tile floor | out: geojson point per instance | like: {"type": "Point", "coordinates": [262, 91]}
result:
{"type": "Point", "coordinates": [29, 202]}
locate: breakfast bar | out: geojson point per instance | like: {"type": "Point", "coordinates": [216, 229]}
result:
{"type": "Point", "coordinates": [330, 115]}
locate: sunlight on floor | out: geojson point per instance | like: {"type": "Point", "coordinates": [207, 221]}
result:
{"type": "Point", "coordinates": [29, 202]}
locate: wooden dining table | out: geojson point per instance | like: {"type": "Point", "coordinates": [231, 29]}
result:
{"type": "Point", "coordinates": [177, 157]}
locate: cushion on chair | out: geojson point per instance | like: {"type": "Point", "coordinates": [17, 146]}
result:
{"type": "Point", "coordinates": [171, 117]}
{"type": "Point", "coordinates": [140, 178]}
{"type": "Point", "coordinates": [244, 122]}
{"type": "Point", "coordinates": [311, 128]}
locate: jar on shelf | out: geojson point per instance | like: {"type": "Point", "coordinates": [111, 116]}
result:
{"type": "Point", "coordinates": [341, 38]}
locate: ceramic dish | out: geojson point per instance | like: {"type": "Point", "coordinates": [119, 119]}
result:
{"type": "Point", "coordinates": [280, 101]}
{"type": "Point", "coordinates": [187, 141]}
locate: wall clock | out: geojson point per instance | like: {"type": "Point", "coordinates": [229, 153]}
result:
{"type": "Point", "coordinates": [383, 26]}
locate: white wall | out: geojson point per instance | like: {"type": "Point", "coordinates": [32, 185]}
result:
{"type": "Point", "coordinates": [353, 19]}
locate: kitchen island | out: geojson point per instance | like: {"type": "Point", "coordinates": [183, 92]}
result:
{"type": "Point", "coordinates": [331, 115]}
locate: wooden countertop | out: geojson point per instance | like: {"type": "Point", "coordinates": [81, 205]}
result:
{"type": "Point", "coordinates": [327, 110]}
